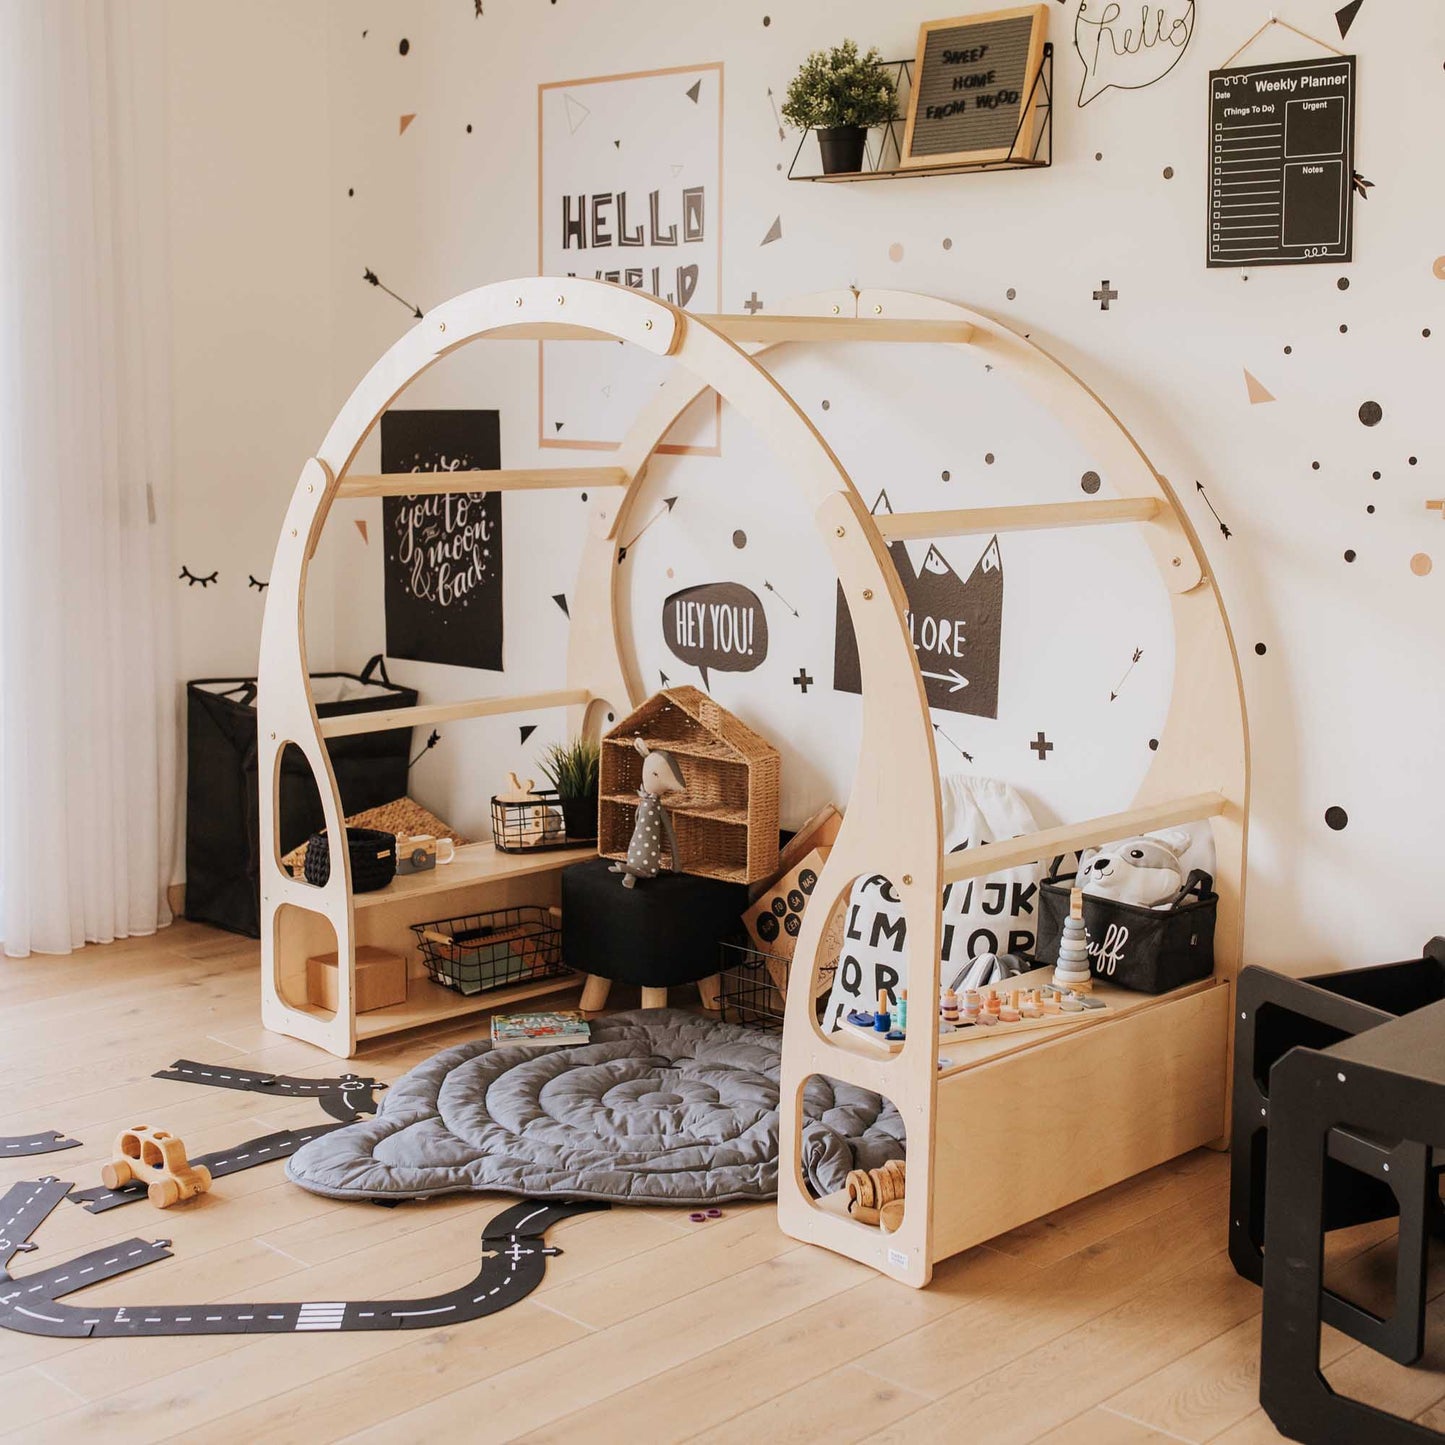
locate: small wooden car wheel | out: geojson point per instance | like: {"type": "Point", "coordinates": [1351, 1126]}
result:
{"type": "Point", "coordinates": [117, 1175]}
{"type": "Point", "coordinates": [164, 1193]}
{"type": "Point", "coordinates": [201, 1178]}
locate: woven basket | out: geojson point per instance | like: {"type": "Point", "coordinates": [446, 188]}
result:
{"type": "Point", "coordinates": [404, 818]}
{"type": "Point", "coordinates": [373, 859]}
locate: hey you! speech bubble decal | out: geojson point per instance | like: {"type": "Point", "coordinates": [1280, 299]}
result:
{"type": "Point", "coordinates": [718, 626]}
{"type": "Point", "coordinates": [1129, 45]}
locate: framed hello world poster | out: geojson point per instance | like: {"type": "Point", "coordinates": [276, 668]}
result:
{"type": "Point", "coordinates": [629, 185]}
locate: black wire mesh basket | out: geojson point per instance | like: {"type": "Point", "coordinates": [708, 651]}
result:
{"type": "Point", "coordinates": [478, 952]}
{"type": "Point", "coordinates": [530, 825]}
{"type": "Point", "coordinates": [752, 986]}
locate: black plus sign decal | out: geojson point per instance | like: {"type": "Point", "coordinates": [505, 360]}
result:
{"type": "Point", "coordinates": [752, 305]}
{"type": "Point", "coordinates": [1042, 746]}
{"type": "Point", "coordinates": [1104, 296]}
{"type": "Point", "coordinates": [802, 679]}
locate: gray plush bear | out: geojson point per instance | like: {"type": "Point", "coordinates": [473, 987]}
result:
{"type": "Point", "coordinates": [660, 775]}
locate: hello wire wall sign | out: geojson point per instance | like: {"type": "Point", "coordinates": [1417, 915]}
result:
{"type": "Point", "coordinates": [629, 188]}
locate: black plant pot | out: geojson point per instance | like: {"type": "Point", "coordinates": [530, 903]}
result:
{"type": "Point", "coordinates": [841, 147]}
{"type": "Point", "coordinates": [579, 817]}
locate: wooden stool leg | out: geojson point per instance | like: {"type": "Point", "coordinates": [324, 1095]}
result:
{"type": "Point", "coordinates": [594, 993]}
{"type": "Point", "coordinates": [654, 998]}
{"type": "Point", "coordinates": [709, 990]}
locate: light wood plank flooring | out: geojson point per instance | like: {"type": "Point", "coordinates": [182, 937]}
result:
{"type": "Point", "coordinates": [1116, 1320]}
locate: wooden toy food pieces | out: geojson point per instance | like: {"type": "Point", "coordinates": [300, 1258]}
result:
{"type": "Point", "coordinates": [875, 1196]}
{"type": "Point", "coordinates": [1072, 968]}
{"type": "Point", "coordinates": [158, 1159]}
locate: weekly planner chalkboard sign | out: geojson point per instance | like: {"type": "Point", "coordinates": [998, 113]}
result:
{"type": "Point", "coordinates": [973, 86]}
{"type": "Point", "coordinates": [1281, 162]}
{"type": "Point", "coordinates": [443, 572]}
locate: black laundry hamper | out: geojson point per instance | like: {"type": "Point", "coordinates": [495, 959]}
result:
{"type": "Point", "coordinates": [223, 843]}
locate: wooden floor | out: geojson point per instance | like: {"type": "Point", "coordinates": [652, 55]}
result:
{"type": "Point", "coordinates": [1117, 1320]}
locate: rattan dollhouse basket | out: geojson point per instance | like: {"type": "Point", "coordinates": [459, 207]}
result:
{"type": "Point", "coordinates": [727, 820]}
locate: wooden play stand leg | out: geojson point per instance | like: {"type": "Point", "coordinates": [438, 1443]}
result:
{"type": "Point", "coordinates": [594, 993]}
{"type": "Point", "coordinates": [654, 998]}
{"type": "Point", "coordinates": [709, 990]}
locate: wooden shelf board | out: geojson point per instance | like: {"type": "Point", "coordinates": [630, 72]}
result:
{"type": "Point", "coordinates": [429, 1003]}
{"type": "Point", "coordinates": [906, 173]}
{"type": "Point", "coordinates": [973, 1047]}
{"type": "Point", "coordinates": [718, 752]}
{"type": "Point", "coordinates": [714, 812]}
{"type": "Point", "coordinates": [771, 328]}
{"type": "Point", "coordinates": [725, 875]}
{"type": "Point", "coordinates": [349, 724]}
{"type": "Point", "coordinates": [415, 484]}
{"type": "Point", "coordinates": [475, 863]}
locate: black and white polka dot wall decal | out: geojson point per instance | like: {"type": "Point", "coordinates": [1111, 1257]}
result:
{"type": "Point", "coordinates": [560, 598]}
{"type": "Point", "coordinates": [1336, 818]}
{"type": "Point", "coordinates": [740, 539]}
{"type": "Point", "coordinates": [1168, 173]}
{"type": "Point", "coordinates": [253, 581]}
{"type": "Point", "coordinates": [525, 730]}
{"type": "Point", "coordinates": [404, 48]}
{"type": "Point", "coordinates": [1350, 554]}
{"type": "Point", "coordinates": [1090, 482]}
{"type": "Point", "coordinates": [1256, 389]}
{"type": "Point", "coordinates": [1371, 412]}
{"type": "Point", "coordinates": [372, 279]}
{"type": "Point", "coordinates": [1011, 294]}
{"type": "Point", "coordinates": [1260, 649]}
{"type": "Point", "coordinates": [1345, 16]}
{"type": "Point", "coordinates": [775, 232]}
{"type": "Point", "coordinates": [1153, 745]}
{"type": "Point", "coordinates": [946, 475]}
{"type": "Point", "coordinates": [190, 578]}
{"type": "Point", "coordinates": [1199, 487]}
{"type": "Point", "coordinates": [1421, 564]}
{"type": "Point", "coordinates": [1343, 284]}
{"type": "Point", "coordinates": [769, 586]}
{"type": "Point", "coordinates": [1439, 268]}
{"type": "Point", "coordinates": [988, 459]}
{"type": "Point", "coordinates": [895, 251]}
{"type": "Point", "coordinates": [948, 243]}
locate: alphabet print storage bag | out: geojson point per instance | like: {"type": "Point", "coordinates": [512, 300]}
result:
{"type": "Point", "coordinates": [995, 914]}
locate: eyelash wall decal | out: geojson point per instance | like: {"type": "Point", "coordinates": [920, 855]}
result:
{"type": "Point", "coordinates": [190, 578]}
{"type": "Point", "coordinates": [252, 582]}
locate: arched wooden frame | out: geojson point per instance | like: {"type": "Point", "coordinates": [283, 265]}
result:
{"type": "Point", "coordinates": [893, 819]}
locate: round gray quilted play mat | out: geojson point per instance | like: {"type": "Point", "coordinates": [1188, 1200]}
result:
{"type": "Point", "coordinates": [660, 1107]}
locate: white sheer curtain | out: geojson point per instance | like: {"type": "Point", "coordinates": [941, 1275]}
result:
{"type": "Point", "coordinates": [87, 724]}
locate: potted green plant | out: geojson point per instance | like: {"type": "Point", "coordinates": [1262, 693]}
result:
{"type": "Point", "coordinates": [840, 93]}
{"type": "Point", "coordinates": [572, 768]}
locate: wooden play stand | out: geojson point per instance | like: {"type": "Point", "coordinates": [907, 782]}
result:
{"type": "Point", "coordinates": [1015, 1127]}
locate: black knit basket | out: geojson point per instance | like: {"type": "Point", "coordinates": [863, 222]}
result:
{"type": "Point", "coordinates": [373, 859]}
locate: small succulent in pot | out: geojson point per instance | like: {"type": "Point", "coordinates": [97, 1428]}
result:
{"type": "Point", "coordinates": [840, 93]}
{"type": "Point", "coordinates": [573, 769]}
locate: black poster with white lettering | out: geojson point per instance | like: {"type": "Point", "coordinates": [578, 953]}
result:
{"type": "Point", "coordinates": [955, 625]}
{"type": "Point", "coordinates": [1281, 163]}
{"type": "Point", "coordinates": [443, 567]}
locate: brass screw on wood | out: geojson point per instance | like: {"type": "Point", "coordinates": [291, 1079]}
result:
{"type": "Point", "coordinates": [867, 594]}
{"type": "Point", "coordinates": [293, 531]}
{"type": "Point", "coordinates": [516, 301]}
{"type": "Point", "coordinates": [907, 879]}
{"type": "Point", "coordinates": [441, 326]}
{"type": "Point", "coordinates": [647, 325]}
{"type": "Point", "coordinates": [561, 300]}
{"type": "Point", "coordinates": [1177, 562]}
{"type": "Point", "coordinates": [878, 311]}
{"type": "Point", "coordinates": [835, 311]}
{"type": "Point", "coordinates": [838, 531]}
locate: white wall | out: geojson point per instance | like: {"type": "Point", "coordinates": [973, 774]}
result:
{"type": "Point", "coordinates": [1345, 699]}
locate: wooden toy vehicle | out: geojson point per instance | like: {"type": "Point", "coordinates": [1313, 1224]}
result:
{"type": "Point", "coordinates": [157, 1158]}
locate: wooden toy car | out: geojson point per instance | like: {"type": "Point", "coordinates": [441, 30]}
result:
{"type": "Point", "coordinates": [157, 1158]}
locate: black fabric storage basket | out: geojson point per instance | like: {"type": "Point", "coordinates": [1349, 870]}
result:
{"type": "Point", "coordinates": [223, 845]}
{"type": "Point", "coordinates": [1149, 950]}
{"type": "Point", "coordinates": [373, 859]}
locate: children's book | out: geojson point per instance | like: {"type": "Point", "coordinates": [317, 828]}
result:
{"type": "Point", "coordinates": [543, 1030]}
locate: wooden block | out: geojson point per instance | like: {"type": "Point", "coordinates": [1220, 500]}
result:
{"type": "Point", "coordinates": [380, 979]}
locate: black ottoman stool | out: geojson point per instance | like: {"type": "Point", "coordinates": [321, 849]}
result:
{"type": "Point", "coordinates": [664, 931]}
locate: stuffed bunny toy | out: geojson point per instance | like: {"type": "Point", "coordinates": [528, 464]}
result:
{"type": "Point", "coordinates": [660, 775]}
{"type": "Point", "coordinates": [1145, 869]}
